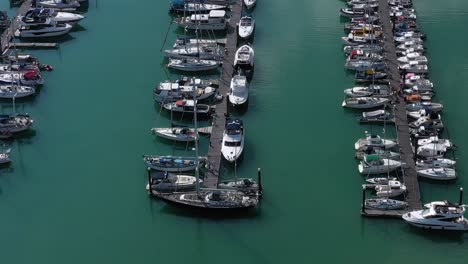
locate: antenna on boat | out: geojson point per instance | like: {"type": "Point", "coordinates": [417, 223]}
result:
{"type": "Point", "coordinates": [196, 135]}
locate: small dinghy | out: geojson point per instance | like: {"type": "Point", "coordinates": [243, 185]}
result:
{"type": "Point", "coordinates": [392, 189]}
{"type": "Point", "coordinates": [239, 90]}
{"type": "Point", "coordinates": [384, 204]}
{"type": "Point", "coordinates": [182, 134]}
{"type": "Point", "coordinates": [232, 145]}
{"type": "Point", "coordinates": [371, 90]}
{"type": "Point", "coordinates": [380, 180]}
{"type": "Point", "coordinates": [250, 3]}
{"type": "Point", "coordinates": [245, 185]}
{"type": "Point", "coordinates": [244, 57]}
{"type": "Point", "coordinates": [435, 163]}
{"type": "Point", "coordinates": [193, 65]}
{"type": "Point", "coordinates": [373, 164]}
{"type": "Point", "coordinates": [188, 107]}
{"type": "Point", "coordinates": [58, 4]}
{"type": "Point", "coordinates": [30, 78]}
{"type": "Point", "coordinates": [172, 164]}
{"type": "Point", "coordinates": [374, 141]}
{"type": "Point", "coordinates": [377, 117]}
{"type": "Point", "coordinates": [16, 91]}
{"type": "Point", "coordinates": [364, 102]}
{"type": "Point", "coordinates": [171, 91]}
{"type": "Point", "coordinates": [164, 182]}
{"type": "Point", "coordinates": [442, 174]}
{"type": "Point", "coordinates": [246, 27]}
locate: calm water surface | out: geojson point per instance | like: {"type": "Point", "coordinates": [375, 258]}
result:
{"type": "Point", "coordinates": [75, 191]}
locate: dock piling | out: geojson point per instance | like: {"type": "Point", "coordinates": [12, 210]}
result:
{"type": "Point", "coordinates": [460, 199]}
{"type": "Point", "coordinates": [363, 204]}
{"type": "Point", "coordinates": [259, 175]}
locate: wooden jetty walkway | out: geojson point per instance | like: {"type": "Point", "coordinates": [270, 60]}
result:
{"type": "Point", "coordinates": [219, 116]}
{"type": "Point", "coordinates": [413, 196]}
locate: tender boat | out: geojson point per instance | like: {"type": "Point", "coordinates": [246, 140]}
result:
{"type": "Point", "coordinates": [43, 30]}
{"type": "Point", "coordinates": [364, 102]}
{"type": "Point", "coordinates": [182, 134]}
{"type": "Point", "coordinates": [246, 27]}
{"type": "Point", "coordinates": [215, 20]}
{"type": "Point", "coordinates": [193, 65]}
{"type": "Point", "coordinates": [164, 182]}
{"type": "Point", "coordinates": [188, 107]}
{"type": "Point", "coordinates": [239, 90]}
{"type": "Point", "coordinates": [250, 3]}
{"type": "Point", "coordinates": [439, 217]}
{"type": "Point", "coordinates": [373, 164]}
{"type": "Point", "coordinates": [58, 4]}
{"type": "Point", "coordinates": [371, 90]}
{"type": "Point", "coordinates": [377, 116]}
{"type": "Point", "coordinates": [16, 91]}
{"type": "Point", "coordinates": [212, 200]}
{"type": "Point", "coordinates": [435, 163]}
{"type": "Point", "coordinates": [244, 57]}
{"type": "Point", "coordinates": [30, 78]}
{"type": "Point", "coordinates": [171, 91]}
{"type": "Point", "coordinates": [232, 145]}
{"type": "Point", "coordinates": [392, 189]}
{"type": "Point", "coordinates": [384, 204]}
{"type": "Point", "coordinates": [172, 164]}
{"type": "Point", "coordinates": [440, 174]}
{"type": "Point", "coordinates": [245, 185]}
{"type": "Point", "coordinates": [374, 141]}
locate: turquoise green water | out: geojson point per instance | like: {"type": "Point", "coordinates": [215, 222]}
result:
{"type": "Point", "coordinates": [75, 191]}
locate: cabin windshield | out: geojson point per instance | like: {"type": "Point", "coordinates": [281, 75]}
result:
{"type": "Point", "coordinates": [232, 143]}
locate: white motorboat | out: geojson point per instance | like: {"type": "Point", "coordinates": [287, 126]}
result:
{"type": "Point", "coordinates": [439, 217]}
{"type": "Point", "coordinates": [364, 102]}
{"type": "Point", "coordinates": [432, 150]}
{"type": "Point", "coordinates": [30, 78]}
{"type": "Point", "coordinates": [188, 107]}
{"type": "Point", "coordinates": [244, 57]}
{"type": "Point", "coordinates": [182, 134]}
{"type": "Point", "coordinates": [16, 91]}
{"type": "Point", "coordinates": [215, 20]}
{"type": "Point", "coordinates": [246, 27]}
{"type": "Point", "coordinates": [36, 14]}
{"type": "Point", "coordinates": [441, 174]}
{"type": "Point", "coordinates": [374, 141]}
{"type": "Point", "coordinates": [384, 204]}
{"type": "Point", "coordinates": [412, 79]}
{"type": "Point", "coordinates": [435, 163]}
{"type": "Point", "coordinates": [377, 116]}
{"type": "Point", "coordinates": [435, 140]}
{"type": "Point", "coordinates": [162, 182]}
{"type": "Point", "coordinates": [58, 4]}
{"type": "Point", "coordinates": [415, 56]}
{"type": "Point", "coordinates": [373, 164]}
{"type": "Point", "coordinates": [183, 88]}
{"type": "Point", "coordinates": [371, 90]}
{"type": "Point", "coordinates": [415, 67]}
{"type": "Point", "coordinates": [193, 65]}
{"type": "Point", "coordinates": [250, 3]}
{"type": "Point", "coordinates": [232, 145]}
{"type": "Point", "coordinates": [380, 180]}
{"type": "Point", "coordinates": [404, 39]}
{"type": "Point", "coordinates": [239, 90]}
{"type": "Point", "coordinates": [392, 189]}
{"type": "Point", "coordinates": [43, 30]}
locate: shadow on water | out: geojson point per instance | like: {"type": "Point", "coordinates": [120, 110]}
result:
{"type": "Point", "coordinates": [438, 236]}
{"type": "Point", "coordinates": [78, 28]}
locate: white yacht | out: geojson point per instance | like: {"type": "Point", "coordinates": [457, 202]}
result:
{"type": "Point", "coordinates": [250, 3]}
{"type": "Point", "coordinates": [58, 4]}
{"type": "Point", "coordinates": [435, 163]}
{"type": "Point", "coordinates": [215, 20]}
{"type": "Point", "coordinates": [239, 90]}
{"type": "Point", "coordinates": [439, 217]}
{"type": "Point", "coordinates": [373, 164]}
{"type": "Point", "coordinates": [17, 91]}
{"type": "Point", "coordinates": [183, 88]}
{"type": "Point", "coordinates": [201, 51]}
{"type": "Point", "coordinates": [384, 204]}
{"type": "Point", "coordinates": [392, 189]}
{"type": "Point", "coordinates": [246, 27]}
{"type": "Point", "coordinates": [244, 57]}
{"type": "Point", "coordinates": [374, 141]}
{"type": "Point", "coordinates": [233, 140]}
{"type": "Point", "coordinates": [432, 150]}
{"type": "Point", "coordinates": [435, 140]}
{"type": "Point", "coordinates": [38, 14]}
{"type": "Point", "coordinates": [30, 78]}
{"type": "Point", "coordinates": [440, 174]}
{"type": "Point", "coordinates": [181, 134]}
{"type": "Point", "coordinates": [364, 102]}
{"type": "Point", "coordinates": [193, 65]}
{"type": "Point", "coordinates": [43, 30]}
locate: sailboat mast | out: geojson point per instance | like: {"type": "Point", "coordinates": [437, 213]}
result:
{"type": "Point", "coordinates": [197, 175]}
